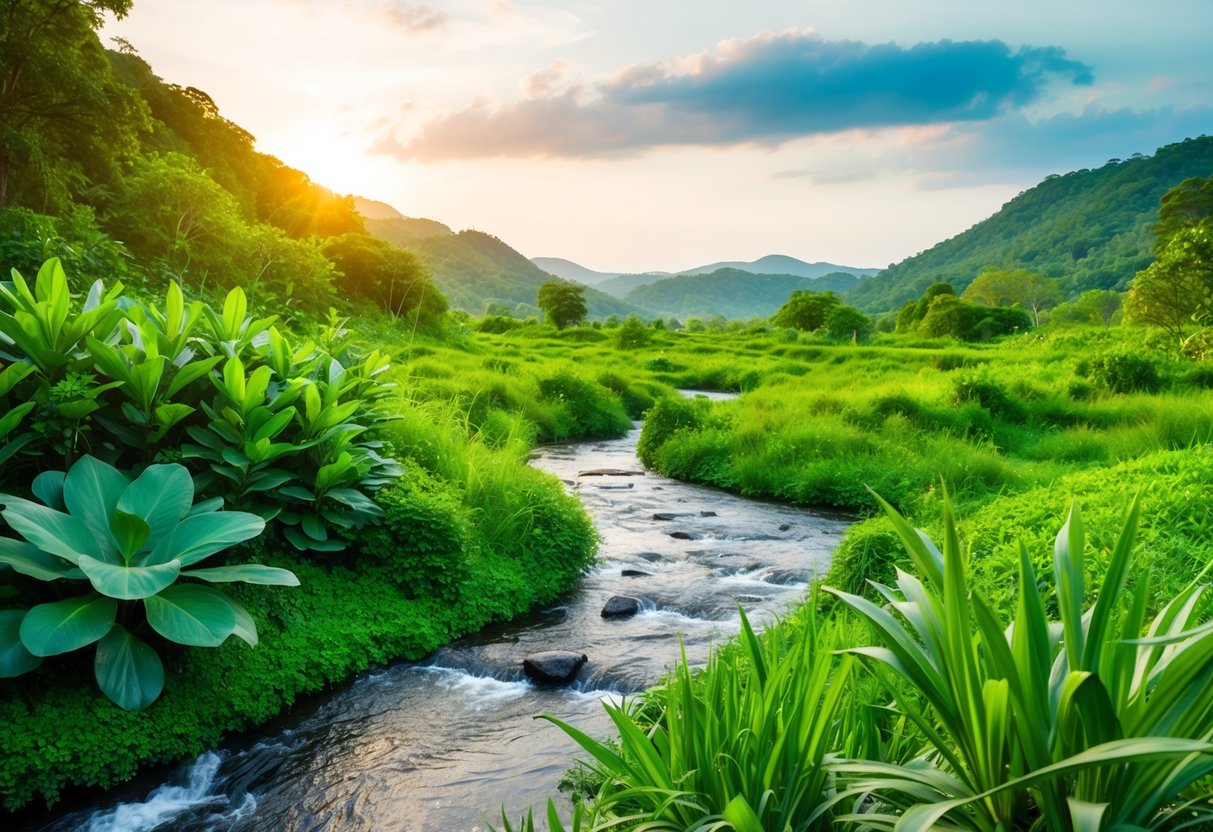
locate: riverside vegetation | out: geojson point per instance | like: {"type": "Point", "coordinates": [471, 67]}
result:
{"type": "Point", "coordinates": [195, 446]}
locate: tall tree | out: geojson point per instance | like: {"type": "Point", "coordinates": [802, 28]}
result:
{"type": "Point", "coordinates": [1176, 290]}
{"type": "Point", "coordinates": [1014, 287]}
{"type": "Point", "coordinates": [1184, 206]}
{"type": "Point", "coordinates": [805, 310]}
{"type": "Point", "coordinates": [1101, 304]}
{"type": "Point", "coordinates": [562, 302]}
{"type": "Point", "coordinates": [64, 120]}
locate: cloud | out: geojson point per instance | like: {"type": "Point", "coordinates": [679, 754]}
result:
{"type": "Point", "coordinates": [413, 18]}
{"type": "Point", "coordinates": [768, 89]}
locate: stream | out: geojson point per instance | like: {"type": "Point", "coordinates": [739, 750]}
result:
{"type": "Point", "coordinates": [437, 746]}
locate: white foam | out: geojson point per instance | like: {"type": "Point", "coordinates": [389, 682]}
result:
{"type": "Point", "coordinates": [168, 801]}
{"type": "Point", "coordinates": [484, 690]}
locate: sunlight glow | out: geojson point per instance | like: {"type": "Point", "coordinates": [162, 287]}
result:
{"type": "Point", "coordinates": [338, 162]}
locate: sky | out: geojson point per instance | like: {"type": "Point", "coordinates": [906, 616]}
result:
{"type": "Point", "coordinates": [635, 135]}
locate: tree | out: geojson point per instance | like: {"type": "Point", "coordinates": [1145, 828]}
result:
{"type": "Point", "coordinates": [1184, 206]}
{"type": "Point", "coordinates": [64, 120]}
{"type": "Point", "coordinates": [632, 334]}
{"type": "Point", "coordinates": [562, 303]}
{"type": "Point", "coordinates": [1017, 287]}
{"type": "Point", "coordinates": [1176, 289]}
{"type": "Point", "coordinates": [1100, 304]}
{"type": "Point", "coordinates": [844, 322]}
{"type": "Point", "coordinates": [805, 310]}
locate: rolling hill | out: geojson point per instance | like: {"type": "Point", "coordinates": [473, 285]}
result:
{"type": "Point", "coordinates": [476, 270]}
{"type": "Point", "coordinates": [732, 293]}
{"type": "Point", "coordinates": [1090, 229]}
{"type": "Point", "coordinates": [781, 264]}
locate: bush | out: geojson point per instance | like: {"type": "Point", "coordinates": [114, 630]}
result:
{"type": "Point", "coordinates": [1125, 372]}
{"type": "Point", "coordinates": [632, 334]}
{"type": "Point", "coordinates": [425, 536]}
{"type": "Point", "coordinates": [669, 416]}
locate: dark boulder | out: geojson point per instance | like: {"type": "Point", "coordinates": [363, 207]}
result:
{"type": "Point", "coordinates": [553, 667]}
{"type": "Point", "coordinates": [685, 536]}
{"type": "Point", "coordinates": [621, 606]}
{"type": "Point", "coordinates": [635, 573]}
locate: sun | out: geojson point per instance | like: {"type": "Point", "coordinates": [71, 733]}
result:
{"type": "Point", "coordinates": [339, 162]}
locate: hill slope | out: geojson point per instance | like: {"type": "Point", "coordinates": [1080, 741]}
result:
{"type": "Point", "coordinates": [782, 264]}
{"type": "Point", "coordinates": [474, 269]}
{"type": "Point", "coordinates": [1090, 229]}
{"type": "Point", "coordinates": [732, 293]}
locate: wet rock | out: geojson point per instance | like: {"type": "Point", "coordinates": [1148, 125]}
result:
{"type": "Point", "coordinates": [707, 514]}
{"type": "Point", "coordinates": [616, 487]}
{"type": "Point", "coordinates": [651, 557]}
{"type": "Point", "coordinates": [666, 516]}
{"type": "Point", "coordinates": [553, 667]}
{"type": "Point", "coordinates": [621, 606]}
{"type": "Point", "coordinates": [609, 472]}
{"type": "Point", "coordinates": [686, 536]}
{"type": "Point", "coordinates": [783, 577]}
{"type": "Point", "coordinates": [783, 527]}
{"type": "Point", "coordinates": [636, 573]}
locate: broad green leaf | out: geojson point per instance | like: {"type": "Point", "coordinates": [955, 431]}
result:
{"type": "Point", "coordinates": [48, 487]}
{"type": "Point", "coordinates": [233, 385]}
{"type": "Point", "coordinates": [246, 627]}
{"type": "Point", "coordinates": [130, 533]}
{"type": "Point", "coordinates": [128, 671]}
{"type": "Point", "coordinates": [190, 373]}
{"type": "Point", "coordinates": [53, 531]}
{"type": "Point", "coordinates": [63, 626]}
{"type": "Point", "coordinates": [249, 573]}
{"type": "Point", "coordinates": [15, 659]}
{"type": "Point", "coordinates": [12, 418]}
{"type": "Point", "coordinates": [189, 614]}
{"type": "Point", "coordinates": [28, 559]}
{"type": "Point", "coordinates": [161, 496]}
{"type": "Point", "coordinates": [202, 535]}
{"type": "Point", "coordinates": [206, 506]}
{"type": "Point", "coordinates": [75, 411]}
{"type": "Point", "coordinates": [90, 491]}
{"type": "Point", "coordinates": [129, 582]}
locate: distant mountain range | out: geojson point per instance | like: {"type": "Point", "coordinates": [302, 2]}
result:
{"type": "Point", "coordinates": [771, 264]}
{"type": "Point", "coordinates": [476, 271]}
{"type": "Point", "coordinates": [733, 293]}
{"type": "Point", "coordinates": [1090, 229]}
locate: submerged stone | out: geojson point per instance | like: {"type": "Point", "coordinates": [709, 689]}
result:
{"type": "Point", "coordinates": [553, 667]}
{"type": "Point", "coordinates": [621, 606]}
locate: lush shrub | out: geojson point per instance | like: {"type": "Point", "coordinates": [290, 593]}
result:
{"type": "Point", "coordinates": [424, 538]}
{"type": "Point", "coordinates": [633, 334]}
{"type": "Point", "coordinates": [590, 410]}
{"type": "Point", "coordinates": [245, 409]}
{"type": "Point", "coordinates": [1125, 372]}
{"type": "Point", "coordinates": [667, 417]}
{"type": "Point", "coordinates": [136, 543]}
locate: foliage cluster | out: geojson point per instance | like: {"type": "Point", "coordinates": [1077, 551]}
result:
{"type": "Point", "coordinates": [1090, 717]}
{"type": "Point", "coordinates": [246, 410]}
{"type": "Point", "coordinates": [137, 544]}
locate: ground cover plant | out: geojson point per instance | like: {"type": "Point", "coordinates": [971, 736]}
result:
{"type": "Point", "coordinates": [1099, 716]}
{"type": "Point", "coordinates": [404, 523]}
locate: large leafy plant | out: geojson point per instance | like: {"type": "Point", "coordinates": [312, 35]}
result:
{"type": "Point", "coordinates": [1100, 721]}
{"type": "Point", "coordinates": [225, 393]}
{"type": "Point", "coordinates": [135, 548]}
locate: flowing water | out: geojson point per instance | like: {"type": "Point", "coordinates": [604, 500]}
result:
{"type": "Point", "coordinates": [436, 746]}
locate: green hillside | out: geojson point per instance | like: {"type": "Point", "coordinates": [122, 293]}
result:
{"type": "Point", "coordinates": [1090, 229]}
{"type": "Point", "coordinates": [730, 292]}
{"type": "Point", "coordinates": [474, 269]}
